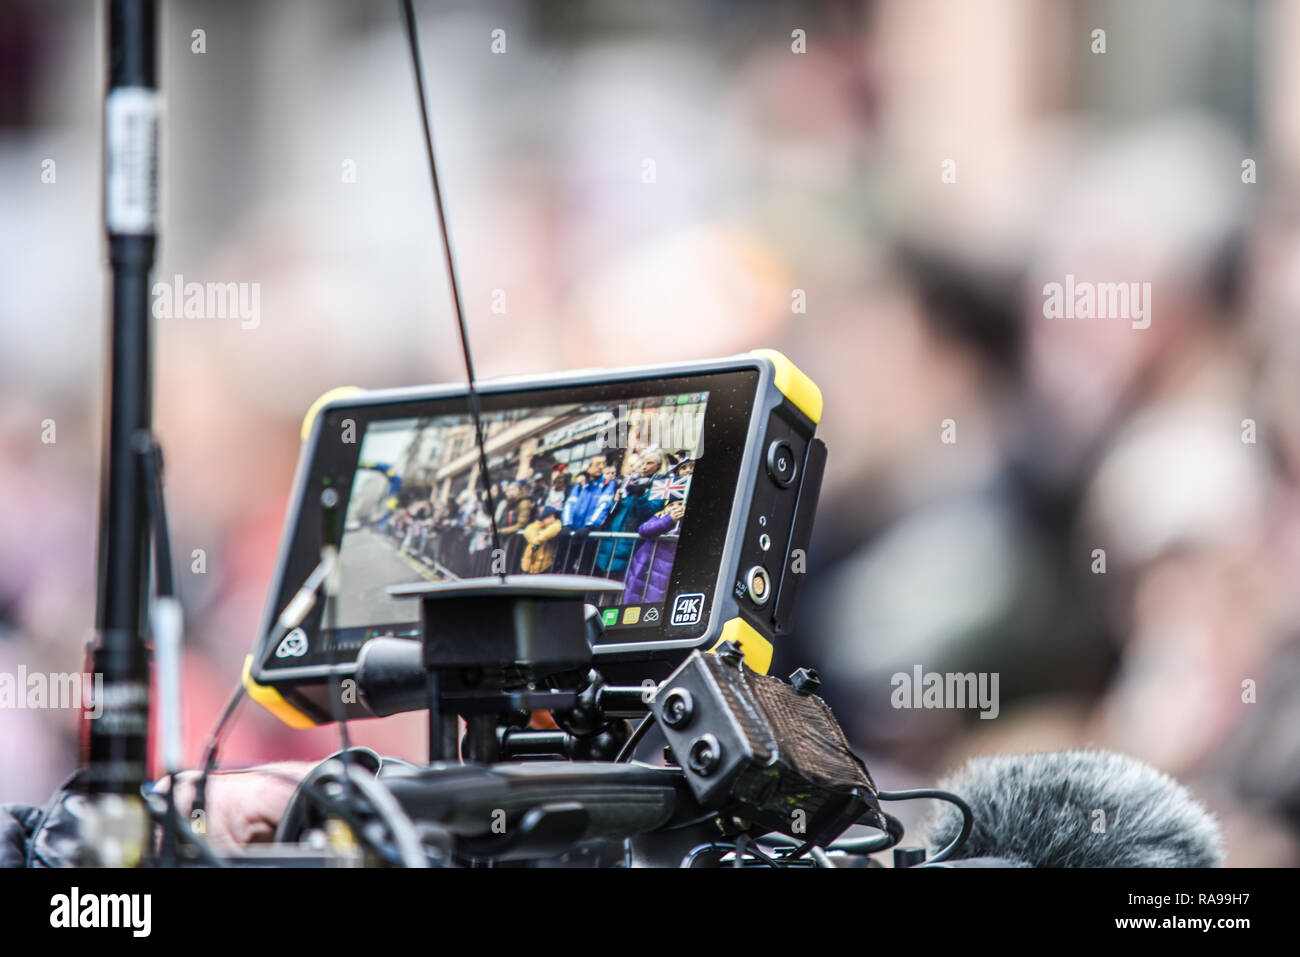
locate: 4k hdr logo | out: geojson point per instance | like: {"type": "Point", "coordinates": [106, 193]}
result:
{"type": "Point", "coordinates": [688, 609]}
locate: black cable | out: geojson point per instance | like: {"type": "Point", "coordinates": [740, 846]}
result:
{"type": "Point", "coordinates": [184, 834]}
{"type": "Point", "coordinates": [688, 859]}
{"type": "Point", "coordinates": [211, 748]}
{"type": "Point", "coordinates": [164, 573]}
{"type": "Point", "coordinates": [312, 790]}
{"type": "Point", "coordinates": [694, 821]}
{"type": "Point", "coordinates": [326, 804]}
{"type": "Point", "coordinates": [332, 539]}
{"type": "Point", "coordinates": [753, 849]}
{"type": "Point", "coordinates": [740, 848]}
{"type": "Point", "coordinates": [893, 833]}
{"type": "Point", "coordinates": [967, 817]}
{"type": "Point", "coordinates": [873, 845]}
{"type": "Point", "coordinates": [151, 459]}
{"type": "Point", "coordinates": [408, 17]}
{"type": "Point", "coordinates": [406, 838]}
{"type": "Point", "coordinates": [213, 745]}
{"type": "Point", "coordinates": [171, 836]}
{"type": "Point", "coordinates": [625, 752]}
{"type": "Point", "coordinates": [799, 851]}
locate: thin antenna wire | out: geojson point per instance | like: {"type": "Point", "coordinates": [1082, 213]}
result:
{"type": "Point", "coordinates": [408, 16]}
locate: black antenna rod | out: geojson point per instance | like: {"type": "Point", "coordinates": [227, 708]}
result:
{"type": "Point", "coordinates": [119, 738]}
{"type": "Point", "coordinates": [408, 15]}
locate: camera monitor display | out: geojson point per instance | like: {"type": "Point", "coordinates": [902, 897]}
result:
{"type": "Point", "coordinates": [594, 488]}
{"type": "Point", "coordinates": [690, 487]}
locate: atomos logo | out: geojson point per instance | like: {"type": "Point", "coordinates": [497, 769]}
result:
{"type": "Point", "coordinates": [294, 645]}
{"type": "Point", "coordinates": [688, 609]}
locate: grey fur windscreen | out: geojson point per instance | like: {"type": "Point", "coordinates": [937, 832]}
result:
{"type": "Point", "coordinates": [1081, 808]}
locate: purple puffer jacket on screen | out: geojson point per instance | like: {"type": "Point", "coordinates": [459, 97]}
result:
{"type": "Point", "coordinates": [647, 582]}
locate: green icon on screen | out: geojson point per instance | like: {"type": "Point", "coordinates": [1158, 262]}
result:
{"type": "Point", "coordinates": [609, 616]}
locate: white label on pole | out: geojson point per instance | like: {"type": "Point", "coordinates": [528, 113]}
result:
{"type": "Point", "coordinates": [131, 160]}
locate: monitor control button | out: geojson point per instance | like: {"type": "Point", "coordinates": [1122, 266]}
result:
{"type": "Point", "coordinates": [781, 464]}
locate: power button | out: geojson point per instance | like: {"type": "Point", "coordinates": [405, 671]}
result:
{"type": "Point", "coordinates": [781, 464]}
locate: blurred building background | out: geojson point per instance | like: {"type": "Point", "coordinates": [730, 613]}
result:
{"type": "Point", "coordinates": [880, 189]}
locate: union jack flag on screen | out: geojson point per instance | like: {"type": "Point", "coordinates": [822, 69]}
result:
{"type": "Point", "coordinates": [670, 487]}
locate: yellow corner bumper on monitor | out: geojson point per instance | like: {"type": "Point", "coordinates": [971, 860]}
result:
{"type": "Point", "coordinates": [757, 649]}
{"type": "Point", "coordinates": [273, 701]}
{"type": "Point", "coordinates": [794, 385]}
{"type": "Point", "coordinates": [320, 403]}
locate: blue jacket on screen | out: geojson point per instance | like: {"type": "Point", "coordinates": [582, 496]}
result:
{"type": "Point", "coordinates": [589, 504]}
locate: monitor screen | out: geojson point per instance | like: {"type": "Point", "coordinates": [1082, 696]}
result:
{"type": "Point", "coordinates": [586, 488]}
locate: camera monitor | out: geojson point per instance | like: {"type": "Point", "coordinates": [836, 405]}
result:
{"type": "Point", "coordinates": [691, 486]}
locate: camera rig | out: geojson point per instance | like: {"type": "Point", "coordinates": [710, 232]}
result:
{"type": "Point", "coordinates": [755, 770]}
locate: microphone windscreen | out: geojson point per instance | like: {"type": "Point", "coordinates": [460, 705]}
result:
{"type": "Point", "coordinates": [1082, 808]}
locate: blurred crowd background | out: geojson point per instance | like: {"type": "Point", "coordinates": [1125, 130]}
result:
{"type": "Point", "coordinates": [879, 189]}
